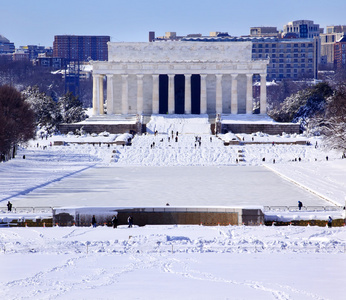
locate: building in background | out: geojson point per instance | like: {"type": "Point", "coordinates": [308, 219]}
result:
{"type": "Point", "coordinates": [292, 58]}
{"type": "Point", "coordinates": [328, 40]}
{"type": "Point", "coordinates": [6, 48]}
{"type": "Point", "coordinates": [264, 32]}
{"type": "Point", "coordinates": [303, 29]}
{"type": "Point", "coordinates": [35, 50]}
{"type": "Point", "coordinates": [20, 55]}
{"type": "Point", "coordinates": [81, 48]}
{"type": "Point", "coordinates": [340, 53]}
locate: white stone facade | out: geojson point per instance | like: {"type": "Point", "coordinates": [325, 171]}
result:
{"type": "Point", "coordinates": [134, 72]}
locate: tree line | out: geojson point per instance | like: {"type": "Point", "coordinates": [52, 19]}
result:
{"type": "Point", "coordinates": [24, 113]}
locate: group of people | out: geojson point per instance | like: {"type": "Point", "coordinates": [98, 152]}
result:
{"type": "Point", "coordinates": [114, 221]}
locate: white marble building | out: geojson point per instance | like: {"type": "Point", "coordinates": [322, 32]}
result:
{"type": "Point", "coordinates": [178, 78]}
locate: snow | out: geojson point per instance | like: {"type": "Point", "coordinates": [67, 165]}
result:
{"type": "Point", "coordinates": [175, 262]}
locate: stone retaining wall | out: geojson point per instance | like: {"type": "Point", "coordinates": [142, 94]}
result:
{"type": "Point", "coordinates": [266, 128]}
{"type": "Point", "coordinates": [98, 128]}
{"type": "Point", "coordinates": [159, 216]}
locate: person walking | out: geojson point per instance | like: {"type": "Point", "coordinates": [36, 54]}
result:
{"type": "Point", "coordinates": [130, 221]}
{"type": "Point", "coordinates": [300, 205]}
{"type": "Point", "coordinates": [9, 206]}
{"type": "Point", "coordinates": [93, 221]}
{"type": "Point", "coordinates": [330, 221]}
{"type": "Point", "coordinates": [115, 221]}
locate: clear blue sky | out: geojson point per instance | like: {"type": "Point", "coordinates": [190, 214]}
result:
{"type": "Point", "coordinates": [28, 22]}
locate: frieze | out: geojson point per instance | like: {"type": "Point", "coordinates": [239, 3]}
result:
{"type": "Point", "coordinates": [180, 52]}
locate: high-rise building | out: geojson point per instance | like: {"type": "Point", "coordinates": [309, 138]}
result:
{"type": "Point", "coordinates": [328, 40]}
{"type": "Point", "coordinates": [6, 47]}
{"type": "Point", "coordinates": [81, 48]}
{"type": "Point", "coordinates": [340, 53]}
{"type": "Point", "coordinates": [303, 29]}
{"type": "Point", "coordinates": [291, 58]}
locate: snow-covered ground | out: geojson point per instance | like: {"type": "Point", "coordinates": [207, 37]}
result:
{"type": "Point", "coordinates": [174, 262]}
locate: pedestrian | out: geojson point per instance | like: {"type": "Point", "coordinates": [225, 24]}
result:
{"type": "Point", "coordinates": [93, 221]}
{"type": "Point", "coordinates": [130, 221]}
{"type": "Point", "coordinates": [274, 161]}
{"type": "Point", "coordinates": [211, 139]}
{"type": "Point", "coordinates": [176, 139]}
{"type": "Point", "coordinates": [115, 221]}
{"type": "Point", "coordinates": [326, 158]}
{"type": "Point", "coordinates": [300, 205]}
{"type": "Point", "coordinates": [330, 221]}
{"type": "Point", "coordinates": [9, 206]}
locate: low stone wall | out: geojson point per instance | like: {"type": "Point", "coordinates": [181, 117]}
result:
{"type": "Point", "coordinates": [98, 128]}
{"type": "Point", "coordinates": [159, 216]}
{"type": "Point", "coordinates": [266, 128]}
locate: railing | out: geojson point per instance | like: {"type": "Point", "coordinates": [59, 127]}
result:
{"type": "Point", "coordinates": [22, 210]}
{"type": "Point", "coordinates": [304, 208]}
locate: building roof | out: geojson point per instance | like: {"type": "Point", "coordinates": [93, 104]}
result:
{"type": "Point", "coordinates": [3, 39]}
{"type": "Point", "coordinates": [343, 39]}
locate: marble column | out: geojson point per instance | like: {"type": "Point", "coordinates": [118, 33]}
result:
{"type": "Point", "coordinates": [234, 94]}
{"type": "Point", "coordinates": [263, 95]}
{"type": "Point", "coordinates": [155, 103]}
{"type": "Point", "coordinates": [140, 94]}
{"type": "Point", "coordinates": [219, 93]}
{"type": "Point", "coordinates": [96, 94]}
{"type": "Point", "coordinates": [110, 95]}
{"type": "Point", "coordinates": [101, 101]}
{"type": "Point", "coordinates": [188, 94]}
{"type": "Point", "coordinates": [203, 93]}
{"type": "Point", "coordinates": [249, 94]}
{"type": "Point", "coordinates": [171, 99]}
{"type": "Point", "coordinates": [124, 95]}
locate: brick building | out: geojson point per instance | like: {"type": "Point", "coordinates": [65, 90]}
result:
{"type": "Point", "coordinates": [82, 48]}
{"type": "Point", "coordinates": [340, 53]}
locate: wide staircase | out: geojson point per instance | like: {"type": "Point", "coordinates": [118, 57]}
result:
{"type": "Point", "coordinates": [174, 141]}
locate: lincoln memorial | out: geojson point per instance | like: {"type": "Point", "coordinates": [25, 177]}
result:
{"type": "Point", "coordinates": [178, 78]}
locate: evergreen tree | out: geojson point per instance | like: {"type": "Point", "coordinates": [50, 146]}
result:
{"type": "Point", "coordinates": [303, 105]}
{"type": "Point", "coordinates": [71, 109]}
{"type": "Point", "coordinates": [47, 113]}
